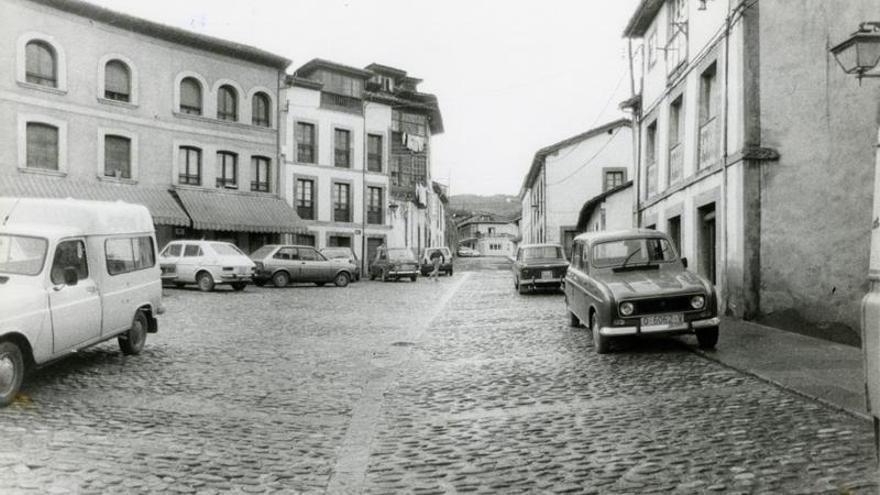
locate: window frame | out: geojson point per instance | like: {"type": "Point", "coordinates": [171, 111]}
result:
{"type": "Point", "coordinates": [221, 180]}
{"type": "Point", "coordinates": [375, 160]}
{"type": "Point", "coordinates": [256, 119]}
{"type": "Point", "coordinates": [107, 156]}
{"type": "Point", "coordinates": [185, 167]}
{"type": "Point", "coordinates": [41, 79]}
{"type": "Point", "coordinates": [297, 199]}
{"type": "Point", "coordinates": [60, 86]}
{"type": "Point", "coordinates": [135, 259]}
{"type": "Point", "coordinates": [339, 152]}
{"type": "Point", "coordinates": [228, 94]}
{"type": "Point", "coordinates": [375, 212]}
{"type": "Point", "coordinates": [189, 109]}
{"type": "Point", "coordinates": [57, 146]}
{"type": "Point", "coordinates": [258, 185]}
{"type": "Point", "coordinates": [80, 276]}
{"type": "Point", "coordinates": [300, 145]}
{"type": "Point", "coordinates": [348, 201]}
{"type": "Point", "coordinates": [124, 97]}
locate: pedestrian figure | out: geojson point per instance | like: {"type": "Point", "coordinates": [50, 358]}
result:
{"type": "Point", "coordinates": [436, 260]}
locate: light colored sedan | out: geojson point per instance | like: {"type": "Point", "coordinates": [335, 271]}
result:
{"type": "Point", "coordinates": [205, 263]}
{"type": "Point", "coordinates": [283, 264]}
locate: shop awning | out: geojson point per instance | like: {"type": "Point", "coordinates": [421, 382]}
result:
{"type": "Point", "coordinates": [158, 200]}
{"type": "Point", "coordinates": [217, 210]}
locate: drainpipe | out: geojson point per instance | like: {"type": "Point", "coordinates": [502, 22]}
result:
{"type": "Point", "coordinates": [363, 260]}
{"type": "Point", "coordinates": [724, 143]}
{"type": "Point", "coordinates": [637, 135]}
{"type": "Point", "coordinates": [279, 161]}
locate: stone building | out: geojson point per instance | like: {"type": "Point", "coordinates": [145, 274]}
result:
{"type": "Point", "coordinates": [753, 153]}
{"type": "Point", "coordinates": [488, 235]}
{"type": "Point", "coordinates": [101, 105]}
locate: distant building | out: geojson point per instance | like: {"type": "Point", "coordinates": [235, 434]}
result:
{"type": "Point", "coordinates": [565, 174]}
{"type": "Point", "coordinates": [357, 157]}
{"type": "Point", "coordinates": [96, 104]}
{"type": "Point", "coordinates": [611, 210]}
{"type": "Point", "coordinates": [757, 153]}
{"type": "Point", "coordinates": [488, 235]}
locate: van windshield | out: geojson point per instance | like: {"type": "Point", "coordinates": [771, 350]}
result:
{"type": "Point", "coordinates": [22, 255]}
{"type": "Point", "coordinates": [225, 249]}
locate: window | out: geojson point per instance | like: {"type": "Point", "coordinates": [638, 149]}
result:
{"type": "Point", "coordinates": [286, 253]}
{"type": "Point", "coordinates": [227, 103]}
{"type": "Point", "coordinates": [305, 142]}
{"type": "Point", "coordinates": [41, 65]}
{"type": "Point", "coordinates": [614, 178]}
{"type": "Point", "coordinates": [129, 254]}
{"type": "Point", "coordinates": [409, 123]}
{"type": "Point", "coordinates": [339, 241]}
{"type": "Point", "coordinates": [190, 166]}
{"type": "Point", "coordinates": [341, 102]}
{"type": "Point", "coordinates": [305, 205]}
{"type": "Point", "coordinates": [342, 148]}
{"type": "Point", "coordinates": [117, 157]}
{"type": "Point", "coordinates": [304, 239]}
{"type": "Point", "coordinates": [374, 153]}
{"type": "Point", "coordinates": [707, 245]}
{"type": "Point", "coordinates": [69, 254]}
{"type": "Point", "coordinates": [227, 170]}
{"type": "Point", "coordinates": [341, 202]}
{"type": "Point", "coordinates": [22, 255]}
{"type": "Point", "coordinates": [651, 160]}
{"type": "Point", "coordinates": [709, 135]}
{"type": "Point", "coordinates": [673, 228]}
{"type": "Point", "coordinates": [651, 47]}
{"type": "Point", "coordinates": [191, 96]}
{"type": "Point", "coordinates": [42, 146]}
{"type": "Point", "coordinates": [374, 205]}
{"type": "Point", "coordinates": [261, 168]}
{"type": "Point", "coordinates": [172, 250]}
{"type": "Point", "coordinates": [260, 110]}
{"type": "Point", "coordinates": [117, 81]}
{"type": "Point", "coordinates": [676, 148]}
{"type": "Point", "coordinates": [192, 251]}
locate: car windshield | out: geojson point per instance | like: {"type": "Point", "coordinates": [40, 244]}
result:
{"type": "Point", "coordinates": [21, 255]}
{"type": "Point", "coordinates": [224, 249]}
{"type": "Point", "coordinates": [628, 252]}
{"type": "Point", "coordinates": [541, 253]}
{"type": "Point", "coordinates": [262, 252]}
{"type": "Point", "coordinates": [400, 255]}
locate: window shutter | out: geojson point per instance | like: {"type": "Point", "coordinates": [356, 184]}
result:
{"type": "Point", "coordinates": [117, 156]}
{"type": "Point", "coordinates": [116, 78]}
{"type": "Point", "coordinates": [190, 93]}
{"type": "Point", "coordinates": [42, 146]}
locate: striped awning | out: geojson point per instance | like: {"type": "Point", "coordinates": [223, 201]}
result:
{"type": "Point", "coordinates": [218, 210]}
{"type": "Point", "coordinates": [164, 209]}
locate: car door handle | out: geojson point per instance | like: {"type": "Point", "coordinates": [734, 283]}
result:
{"type": "Point", "coordinates": [92, 290]}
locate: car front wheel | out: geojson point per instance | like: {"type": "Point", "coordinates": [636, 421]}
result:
{"type": "Point", "coordinates": [601, 343]}
{"type": "Point", "coordinates": [205, 281]}
{"type": "Point", "coordinates": [341, 280]}
{"type": "Point", "coordinates": [707, 338]}
{"type": "Point", "coordinates": [11, 372]}
{"type": "Point", "coordinates": [132, 342]}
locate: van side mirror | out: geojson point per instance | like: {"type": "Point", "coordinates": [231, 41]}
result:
{"type": "Point", "coordinates": [71, 277]}
{"type": "Point", "coordinates": [684, 261]}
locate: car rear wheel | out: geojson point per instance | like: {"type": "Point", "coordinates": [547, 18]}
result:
{"type": "Point", "coordinates": [521, 288]}
{"type": "Point", "coordinates": [341, 280]}
{"type": "Point", "coordinates": [11, 372]}
{"type": "Point", "coordinates": [412, 278]}
{"type": "Point", "coordinates": [132, 342]}
{"type": "Point", "coordinates": [281, 279]}
{"type": "Point", "coordinates": [205, 281]}
{"type": "Point", "coordinates": [707, 338]}
{"type": "Point", "coordinates": [238, 286]}
{"type": "Point", "coordinates": [601, 343]}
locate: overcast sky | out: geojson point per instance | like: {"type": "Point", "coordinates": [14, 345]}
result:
{"type": "Point", "coordinates": [511, 76]}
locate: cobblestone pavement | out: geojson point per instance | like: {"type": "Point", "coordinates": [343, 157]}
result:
{"type": "Point", "coordinates": [457, 386]}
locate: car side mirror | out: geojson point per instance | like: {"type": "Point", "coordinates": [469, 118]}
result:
{"type": "Point", "coordinates": [684, 261]}
{"type": "Point", "coordinates": [71, 277]}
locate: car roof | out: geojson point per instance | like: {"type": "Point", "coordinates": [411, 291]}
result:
{"type": "Point", "coordinates": [546, 244]}
{"type": "Point", "coordinates": [602, 236]}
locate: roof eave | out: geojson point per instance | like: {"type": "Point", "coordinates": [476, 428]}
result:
{"type": "Point", "coordinates": [641, 19]}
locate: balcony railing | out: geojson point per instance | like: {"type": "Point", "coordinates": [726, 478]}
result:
{"type": "Point", "coordinates": [342, 103]}
{"type": "Point", "coordinates": [341, 215]}
{"type": "Point", "coordinates": [227, 183]}
{"type": "Point", "coordinates": [305, 153]}
{"type": "Point", "coordinates": [259, 186]}
{"type": "Point", "coordinates": [676, 163]}
{"type": "Point", "coordinates": [709, 144]}
{"type": "Point", "coordinates": [306, 212]}
{"type": "Point", "coordinates": [342, 158]}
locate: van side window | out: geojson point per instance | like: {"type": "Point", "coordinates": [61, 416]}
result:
{"type": "Point", "coordinates": [173, 250]}
{"type": "Point", "coordinates": [192, 250]}
{"type": "Point", "coordinates": [70, 254]}
{"type": "Point", "coordinates": [129, 254]}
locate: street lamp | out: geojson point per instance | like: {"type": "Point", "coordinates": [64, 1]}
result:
{"type": "Point", "coordinates": [860, 53]}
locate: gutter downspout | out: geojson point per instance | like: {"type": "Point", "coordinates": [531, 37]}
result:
{"type": "Point", "coordinates": [279, 175]}
{"type": "Point", "coordinates": [637, 136]}
{"type": "Point", "coordinates": [363, 261]}
{"type": "Point", "coordinates": [724, 156]}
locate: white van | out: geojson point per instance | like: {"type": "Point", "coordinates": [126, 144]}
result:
{"type": "Point", "coordinates": [72, 274]}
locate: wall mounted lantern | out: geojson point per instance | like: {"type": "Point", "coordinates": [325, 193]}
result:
{"type": "Point", "coordinates": [860, 53]}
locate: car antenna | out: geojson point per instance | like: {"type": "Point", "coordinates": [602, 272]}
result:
{"type": "Point", "coordinates": [11, 210]}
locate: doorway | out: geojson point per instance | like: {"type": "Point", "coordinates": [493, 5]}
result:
{"type": "Point", "coordinates": [707, 242]}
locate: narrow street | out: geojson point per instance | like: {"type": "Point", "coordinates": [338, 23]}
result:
{"type": "Point", "coordinates": [450, 387]}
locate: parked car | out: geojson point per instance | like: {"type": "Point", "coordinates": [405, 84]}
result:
{"type": "Point", "coordinates": [539, 266]}
{"type": "Point", "coordinates": [283, 264]}
{"type": "Point", "coordinates": [73, 274]}
{"type": "Point", "coordinates": [466, 252]}
{"type": "Point", "coordinates": [344, 253]}
{"type": "Point", "coordinates": [634, 283]}
{"type": "Point", "coordinates": [427, 263]}
{"type": "Point", "coordinates": [394, 264]}
{"type": "Point", "coordinates": [206, 264]}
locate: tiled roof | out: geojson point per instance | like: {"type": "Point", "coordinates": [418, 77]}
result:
{"type": "Point", "coordinates": [216, 210]}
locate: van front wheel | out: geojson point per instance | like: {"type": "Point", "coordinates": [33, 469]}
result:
{"type": "Point", "coordinates": [11, 372]}
{"type": "Point", "coordinates": [132, 342]}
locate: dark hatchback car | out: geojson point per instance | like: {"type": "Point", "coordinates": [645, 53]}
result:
{"type": "Point", "coordinates": [539, 266]}
{"type": "Point", "coordinates": [394, 264]}
{"type": "Point", "coordinates": [632, 283]}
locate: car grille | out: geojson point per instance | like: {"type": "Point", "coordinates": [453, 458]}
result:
{"type": "Point", "coordinates": [674, 304]}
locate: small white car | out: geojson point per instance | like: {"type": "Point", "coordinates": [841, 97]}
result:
{"type": "Point", "coordinates": [206, 264]}
{"type": "Point", "coordinates": [73, 274]}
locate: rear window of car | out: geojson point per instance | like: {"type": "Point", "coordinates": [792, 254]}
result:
{"type": "Point", "coordinates": [541, 253]}
{"type": "Point", "coordinates": [224, 249]}
{"type": "Point", "coordinates": [262, 252]}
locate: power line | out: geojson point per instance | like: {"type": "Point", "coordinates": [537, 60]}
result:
{"type": "Point", "coordinates": [595, 155]}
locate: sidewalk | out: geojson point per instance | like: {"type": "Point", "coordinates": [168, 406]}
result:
{"type": "Point", "coordinates": [823, 370]}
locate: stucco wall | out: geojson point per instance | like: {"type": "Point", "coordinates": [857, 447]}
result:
{"type": "Point", "coordinates": [816, 201]}
{"type": "Point", "coordinates": [616, 211]}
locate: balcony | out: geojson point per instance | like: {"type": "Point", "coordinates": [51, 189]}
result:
{"type": "Point", "coordinates": [709, 144]}
{"type": "Point", "coordinates": [342, 103]}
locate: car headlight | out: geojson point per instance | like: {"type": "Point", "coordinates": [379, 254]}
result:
{"type": "Point", "coordinates": [626, 308]}
{"type": "Point", "coordinates": [697, 302]}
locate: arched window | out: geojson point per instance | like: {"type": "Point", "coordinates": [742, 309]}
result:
{"type": "Point", "coordinates": [227, 103]}
{"type": "Point", "coordinates": [117, 81]}
{"type": "Point", "coordinates": [260, 110]}
{"type": "Point", "coordinates": [41, 66]}
{"type": "Point", "coordinates": [191, 96]}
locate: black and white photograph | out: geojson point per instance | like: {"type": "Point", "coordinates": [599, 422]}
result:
{"type": "Point", "coordinates": [439, 247]}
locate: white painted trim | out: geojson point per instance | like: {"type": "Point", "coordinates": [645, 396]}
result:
{"type": "Point", "coordinates": [243, 107]}
{"type": "Point", "coordinates": [133, 159]}
{"type": "Point", "coordinates": [250, 109]}
{"type": "Point", "coordinates": [23, 120]}
{"type": "Point", "coordinates": [21, 62]}
{"type": "Point", "coordinates": [132, 73]}
{"type": "Point", "coordinates": [208, 108]}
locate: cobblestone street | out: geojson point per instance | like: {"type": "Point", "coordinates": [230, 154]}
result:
{"type": "Point", "coordinates": [457, 386]}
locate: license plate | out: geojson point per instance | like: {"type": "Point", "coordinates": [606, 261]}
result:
{"type": "Point", "coordinates": [656, 320]}
{"type": "Point", "coordinates": [546, 274]}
